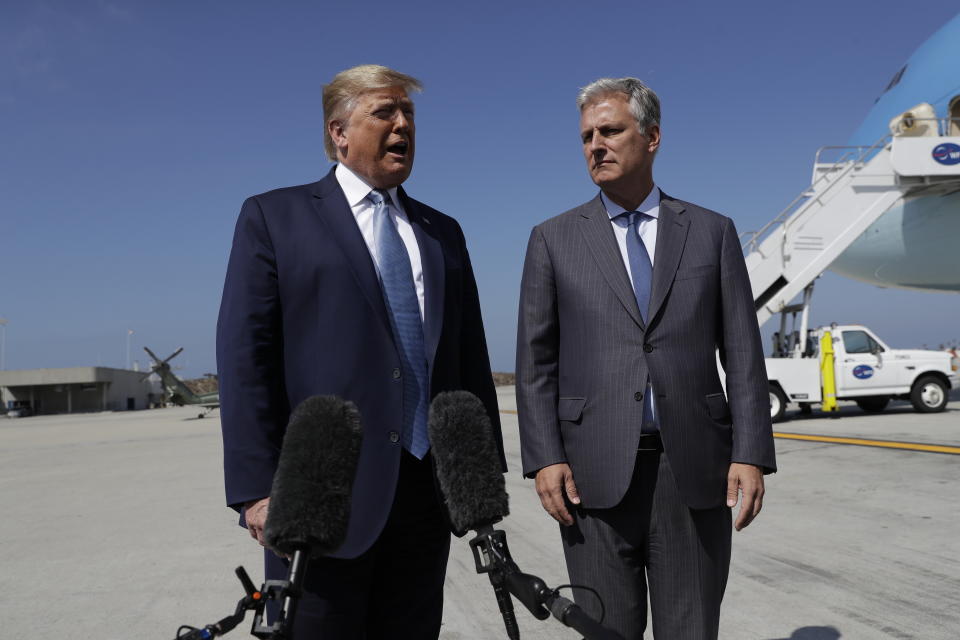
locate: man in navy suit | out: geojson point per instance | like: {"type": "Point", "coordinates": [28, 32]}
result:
{"type": "Point", "coordinates": [349, 287]}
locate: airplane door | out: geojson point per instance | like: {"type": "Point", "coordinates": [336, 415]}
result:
{"type": "Point", "coordinates": [954, 129]}
{"type": "Point", "coordinates": [862, 368]}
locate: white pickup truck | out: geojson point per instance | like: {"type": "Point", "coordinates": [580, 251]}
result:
{"type": "Point", "coordinates": [863, 369]}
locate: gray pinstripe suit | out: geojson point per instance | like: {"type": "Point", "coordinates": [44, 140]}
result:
{"type": "Point", "coordinates": [583, 358]}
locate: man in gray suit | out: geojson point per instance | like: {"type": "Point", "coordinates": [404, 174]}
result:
{"type": "Point", "coordinates": [636, 450]}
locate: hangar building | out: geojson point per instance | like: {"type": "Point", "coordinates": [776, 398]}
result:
{"type": "Point", "coordinates": [77, 389]}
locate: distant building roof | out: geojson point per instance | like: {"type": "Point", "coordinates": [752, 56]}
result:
{"type": "Point", "coordinates": [67, 375]}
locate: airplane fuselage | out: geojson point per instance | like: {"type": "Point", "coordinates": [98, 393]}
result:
{"type": "Point", "coordinates": [914, 245]}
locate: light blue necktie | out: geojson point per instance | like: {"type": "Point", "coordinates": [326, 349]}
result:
{"type": "Point", "coordinates": [403, 307]}
{"type": "Point", "coordinates": [641, 272]}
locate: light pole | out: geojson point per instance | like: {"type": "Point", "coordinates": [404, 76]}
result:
{"type": "Point", "coordinates": [3, 343]}
{"type": "Point", "coordinates": [129, 333]}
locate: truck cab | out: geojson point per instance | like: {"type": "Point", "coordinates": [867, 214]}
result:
{"type": "Point", "coordinates": [850, 362]}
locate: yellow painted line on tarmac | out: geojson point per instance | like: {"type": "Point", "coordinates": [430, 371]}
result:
{"type": "Point", "coordinates": [862, 442]}
{"type": "Point", "coordinates": [887, 444]}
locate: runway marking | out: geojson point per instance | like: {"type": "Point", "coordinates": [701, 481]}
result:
{"type": "Point", "coordinates": [861, 442]}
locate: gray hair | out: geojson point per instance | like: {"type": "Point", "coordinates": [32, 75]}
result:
{"type": "Point", "coordinates": [340, 96]}
{"type": "Point", "coordinates": [644, 103]}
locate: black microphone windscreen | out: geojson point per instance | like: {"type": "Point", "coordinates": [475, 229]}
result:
{"type": "Point", "coordinates": [467, 461]}
{"type": "Point", "coordinates": [310, 498]}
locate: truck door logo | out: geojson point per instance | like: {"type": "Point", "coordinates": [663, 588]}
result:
{"type": "Point", "coordinates": [863, 371]}
{"type": "Point", "coordinates": [947, 153]}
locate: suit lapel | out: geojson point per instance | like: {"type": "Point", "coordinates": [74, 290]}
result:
{"type": "Point", "coordinates": [672, 229]}
{"type": "Point", "coordinates": [603, 244]}
{"type": "Point", "coordinates": [431, 260]}
{"type": "Point", "coordinates": [332, 207]}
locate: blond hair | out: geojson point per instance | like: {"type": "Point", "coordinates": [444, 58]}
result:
{"type": "Point", "coordinates": [340, 96]}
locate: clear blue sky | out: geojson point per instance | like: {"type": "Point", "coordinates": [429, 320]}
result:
{"type": "Point", "coordinates": [130, 133]}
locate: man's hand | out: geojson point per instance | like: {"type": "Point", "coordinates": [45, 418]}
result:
{"type": "Point", "coordinates": [746, 478]}
{"type": "Point", "coordinates": [256, 517]}
{"type": "Point", "coordinates": [553, 482]}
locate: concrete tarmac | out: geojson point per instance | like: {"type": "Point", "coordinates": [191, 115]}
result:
{"type": "Point", "coordinates": [114, 527]}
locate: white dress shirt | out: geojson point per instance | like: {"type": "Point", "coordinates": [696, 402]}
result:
{"type": "Point", "coordinates": [356, 190]}
{"type": "Point", "coordinates": [647, 228]}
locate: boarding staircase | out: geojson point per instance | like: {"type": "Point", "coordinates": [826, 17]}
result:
{"type": "Point", "coordinates": [845, 197]}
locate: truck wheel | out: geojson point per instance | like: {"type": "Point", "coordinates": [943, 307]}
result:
{"type": "Point", "coordinates": [778, 403]}
{"type": "Point", "coordinates": [873, 404]}
{"type": "Point", "coordinates": [929, 395]}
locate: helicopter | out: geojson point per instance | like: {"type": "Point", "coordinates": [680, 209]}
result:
{"type": "Point", "coordinates": [177, 392]}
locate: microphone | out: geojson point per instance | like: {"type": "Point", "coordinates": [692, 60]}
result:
{"type": "Point", "coordinates": [468, 472]}
{"type": "Point", "coordinates": [310, 496]}
{"type": "Point", "coordinates": [474, 492]}
{"type": "Point", "coordinates": [309, 510]}
{"type": "Point", "coordinates": [467, 462]}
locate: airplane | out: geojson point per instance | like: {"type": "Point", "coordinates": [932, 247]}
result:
{"type": "Point", "coordinates": [177, 392]}
{"type": "Point", "coordinates": [914, 244]}
{"type": "Point", "coordinates": [883, 209]}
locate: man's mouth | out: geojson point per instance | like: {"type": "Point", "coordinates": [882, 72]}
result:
{"type": "Point", "coordinates": [399, 148]}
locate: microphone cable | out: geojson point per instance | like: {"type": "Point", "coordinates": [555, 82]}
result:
{"type": "Point", "coordinates": [596, 594]}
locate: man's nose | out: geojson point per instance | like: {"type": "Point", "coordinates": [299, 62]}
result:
{"type": "Point", "coordinates": [595, 145]}
{"type": "Point", "coordinates": [598, 152]}
{"type": "Point", "coordinates": [401, 122]}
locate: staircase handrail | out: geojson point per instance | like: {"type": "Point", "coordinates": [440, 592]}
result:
{"type": "Point", "coordinates": [863, 154]}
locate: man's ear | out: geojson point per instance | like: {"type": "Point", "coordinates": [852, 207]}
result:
{"type": "Point", "coordinates": [338, 131]}
{"type": "Point", "coordinates": [653, 133]}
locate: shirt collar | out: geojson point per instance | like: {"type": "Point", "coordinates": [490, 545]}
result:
{"type": "Point", "coordinates": [356, 188]}
{"type": "Point", "coordinates": [649, 206]}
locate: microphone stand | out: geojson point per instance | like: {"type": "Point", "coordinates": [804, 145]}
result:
{"type": "Point", "coordinates": [492, 546]}
{"type": "Point", "coordinates": [285, 591]}
{"type": "Point", "coordinates": [288, 591]}
{"type": "Point", "coordinates": [253, 601]}
{"type": "Point", "coordinates": [492, 556]}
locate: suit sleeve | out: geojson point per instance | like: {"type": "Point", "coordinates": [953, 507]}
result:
{"type": "Point", "coordinates": [253, 405]}
{"type": "Point", "coordinates": [741, 355]}
{"type": "Point", "coordinates": [475, 373]}
{"type": "Point", "coordinates": [538, 348]}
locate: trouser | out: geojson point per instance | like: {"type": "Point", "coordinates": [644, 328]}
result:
{"type": "Point", "coordinates": [651, 540]}
{"type": "Point", "coordinates": [394, 589]}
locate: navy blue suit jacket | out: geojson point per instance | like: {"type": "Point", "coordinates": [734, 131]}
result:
{"type": "Point", "coordinates": [303, 314]}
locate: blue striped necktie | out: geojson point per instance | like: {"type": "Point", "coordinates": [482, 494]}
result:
{"type": "Point", "coordinates": [641, 269]}
{"type": "Point", "coordinates": [400, 296]}
{"type": "Point", "coordinates": [641, 272]}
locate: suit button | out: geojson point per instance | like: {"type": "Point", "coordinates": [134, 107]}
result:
{"type": "Point", "coordinates": [638, 396]}
{"type": "Point", "coordinates": [396, 374]}
{"type": "Point", "coordinates": [648, 348]}
{"type": "Point", "coordinates": [394, 436]}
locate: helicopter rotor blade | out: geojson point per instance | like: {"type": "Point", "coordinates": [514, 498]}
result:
{"type": "Point", "coordinates": [152, 355]}
{"type": "Point", "coordinates": [173, 355]}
